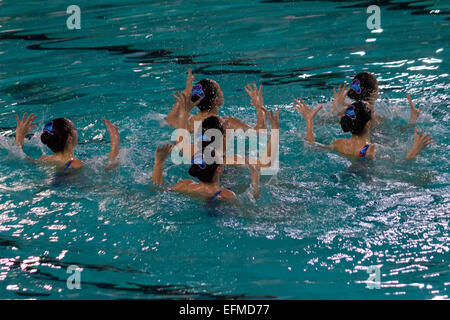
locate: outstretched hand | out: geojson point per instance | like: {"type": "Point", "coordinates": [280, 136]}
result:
{"type": "Point", "coordinates": [113, 132]}
{"type": "Point", "coordinates": [184, 101]}
{"type": "Point", "coordinates": [274, 118]}
{"type": "Point", "coordinates": [115, 141]}
{"type": "Point", "coordinates": [162, 152]}
{"type": "Point", "coordinates": [24, 126]}
{"type": "Point", "coordinates": [420, 142]}
{"type": "Point", "coordinates": [255, 95]}
{"type": "Point", "coordinates": [189, 81]}
{"type": "Point", "coordinates": [303, 109]}
{"type": "Point", "coordinates": [339, 96]}
{"type": "Point", "coordinates": [414, 111]}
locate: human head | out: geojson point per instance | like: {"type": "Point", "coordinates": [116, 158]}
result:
{"type": "Point", "coordinates": [204, 170]}
{"type": "Point", "coordinates": [356, 118]}
{"type": "Point", "coordinates": [364, 87]}
{"type": "Point", "coordinates": [212, 122]}
{"type": "Point", "coordinates": [211, 93]}
{"type": "Point", "coordinates": [59, 135]}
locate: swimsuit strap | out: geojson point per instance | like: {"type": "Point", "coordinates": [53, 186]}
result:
{"type": "Point", "coordinates": [212, 197]}
{"type": "Point", "coordinates": [67, 165]}
{"type": "Point", "coordinates": [363, 152]}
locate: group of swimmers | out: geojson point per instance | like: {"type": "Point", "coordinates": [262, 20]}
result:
{"type": "Point", "coordinates": [357, 117]}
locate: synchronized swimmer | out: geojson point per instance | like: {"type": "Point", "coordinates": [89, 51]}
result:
{"type": "Point", "coordinates": [356, 117]}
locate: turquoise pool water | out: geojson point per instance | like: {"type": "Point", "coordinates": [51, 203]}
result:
{"type": "Point", "coordinates": [316, 229]}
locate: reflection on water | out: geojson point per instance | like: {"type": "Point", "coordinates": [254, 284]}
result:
{"type": "Point", "coordinates": [321, 222]}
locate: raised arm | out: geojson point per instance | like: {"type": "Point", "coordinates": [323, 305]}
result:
{"type": "Point", "coordinates": [266, 159]}
{"type": "Point", "coordinates": [309, 115]}
{"type": "Point", "coordinates": [255, 172]}
{"type": "Point", "coordinates": [274, 119]}
{"type": "Point", "coordinates": [24, 126]}
{"type": "Point", "coordinates": [172, 117]}
{"type": "Point", "coordinates": [420, 142]}
{"type": "Point", "coordinates": [257, 101]}
{"type": "Point", "coordinates": [114, 135]}
{"type": "Point", "coordinates": [161, 154]}
{"type": "Point", "coordinates": [185, 106]}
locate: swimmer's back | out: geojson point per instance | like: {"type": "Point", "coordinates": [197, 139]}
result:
{"type": "Point", "coordinates": [72, 164]}
{"type": "Point", "coordinates": [343, 146]}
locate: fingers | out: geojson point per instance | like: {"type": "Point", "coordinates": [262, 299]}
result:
{"type": "Point", "coordinates": [112, 128]}
{"type": "Point", "coordinates": [190, 77]}
{"type": "Point", "coordinates": [17, 118]}
{"type": "Point", "coordinates": [32, 119]}
{"type": "Point", "coordinates": [166, 148]}
{"type": "Point", "coordinates": [411, 104]}
{"type": "Point", "coordinates": [415, 131]}
{"type": "Point", "coordinates": [317, 109]}
{"type": "Point", "coordinates": [26, 121]}
{"type": "Point", "coordinates": [297, 101]}
{"type": "Point", "coordinates": [427, 139]}
{"type": "Point", "coordinates": [180, 97]}
{"type": "Point", "coordinates": [248, 88]}
{"type": "Point", "coordinates": [301, 104]}
{"type": "Point", "coordinates": [107, 123]}
{"type": "Point", "coordinates": [176, 97]}
{"type": "Point", "coordinates": [346, 92]}
{"type": "Point", "coordinates": [29, 118]}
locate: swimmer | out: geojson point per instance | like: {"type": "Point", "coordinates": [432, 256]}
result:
{"type": "Point", "coordinates": [364, 87]}
{"type": "Point", "coordinates": [61, 137]}
{"type": "Point", "coordinates": [357, 120]}
{"type": "Point", "coordinates": [208, 173]}
{"type": "Point", "coordinates": [218, 127]}
{"type": "Point", "coordinates": [212, 99]}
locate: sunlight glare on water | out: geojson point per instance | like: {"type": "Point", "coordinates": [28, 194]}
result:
{"type": "Point", "coordinates": [318, 225]}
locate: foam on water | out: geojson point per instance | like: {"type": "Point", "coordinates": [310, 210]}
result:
{"type": "Point", "coordinates": [321, 221]}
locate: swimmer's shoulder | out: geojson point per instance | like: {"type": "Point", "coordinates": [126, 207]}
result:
{"type": "Point", "coordinates": [46, 158]}
{"type": "Point", "coordinates": [235, 123]}
{"type": "Point", "coordinates": [227, 194]}
{"type": "Point", "coordinates": [371, 150]}
{"type": "Point", "coordinates": [183, 185]}
{"type": "Point", "coordinates": [339, 145]}
{"type": "Point", "coordinates": [76, 164]}
{"type": "Point", "coordinates": [51, 160]}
